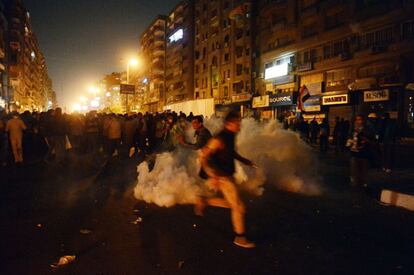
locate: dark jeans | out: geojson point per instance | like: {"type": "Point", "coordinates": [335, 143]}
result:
{"type": "Point", "coordinates": [323, 140]}
{"type": "Point", "coordinates": [359, 170]}
{"type": "Point", "coordinates": [113, 145]}
{"type": "Point", "coordinates": [4, 147]}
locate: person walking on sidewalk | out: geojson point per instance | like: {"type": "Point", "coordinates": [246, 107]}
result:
{"type": "Point", "coordinates": [217, 161]}
{"type": "Point", "coordinates": [359, 147]}
{"type": "Point", "coordinates": [15, 127]}
{"type": "Point", "coordinates": [387, 138]}
{"type": "Point", "coordinates": [324, 135]}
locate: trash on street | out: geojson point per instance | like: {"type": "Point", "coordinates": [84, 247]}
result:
{"type": "Point", "coordinates": [64, 260]}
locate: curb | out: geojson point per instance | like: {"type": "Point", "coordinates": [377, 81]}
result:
{"type": "Point", "coordinates": [397, 199]}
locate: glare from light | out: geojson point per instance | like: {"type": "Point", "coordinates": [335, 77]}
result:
{"type": "Point", "coordinates": [77, 107]}
{"type": "Point", "coordinates": [179, 34]}
{"type": "Point", "coordinates": [133, 62]}
{"type": "Point", "coordinates": [145, 81]}
{"type": "Point", "coordinates": [93, 90]}
{"type": "Point", "coordinates": [108, 94]}
{"type": "Point", "coordinates": [94, 103]}
{"type": "Point", "coordinates": [83, 99]}
{"type": "Point", "coordinates": [276, 71]}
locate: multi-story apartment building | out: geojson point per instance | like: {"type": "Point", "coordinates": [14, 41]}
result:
{"type": "Point", "coordinates": [223, 51]}
{"type": "Point", "coordinates": [26, 62]}
{"type": "Point", "coordinates": [351, 56]}
{"type": "Point", "coordinates": [179, 78]}
{"type": "Point", "coordinates": [111, 98]}
{"type": "Point", "coordinates": [4, 79]}
{"type": "Point", "coordinates": [153, 47]}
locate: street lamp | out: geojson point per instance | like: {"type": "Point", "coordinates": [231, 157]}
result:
{"type": "Point", "coordinates": [132, 62]}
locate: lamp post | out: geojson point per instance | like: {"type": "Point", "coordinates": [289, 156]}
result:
{"type": "Point", "coordinates": [132, 62]}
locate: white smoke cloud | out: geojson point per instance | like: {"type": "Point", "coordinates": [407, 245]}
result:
{"type": "Point", "coordinates": [284, 160]}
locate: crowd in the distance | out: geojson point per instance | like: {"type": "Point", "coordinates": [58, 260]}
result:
{"type": "Point", "coordinates": [50, 135]}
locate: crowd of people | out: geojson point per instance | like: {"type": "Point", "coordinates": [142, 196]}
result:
{"type": "Point", "coordinates": [49, 136]}
{"type": "Point", "coordinates": [381, 133]}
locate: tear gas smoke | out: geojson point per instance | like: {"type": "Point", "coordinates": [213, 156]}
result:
{"type": "Point", "coordinates": [284, 160]}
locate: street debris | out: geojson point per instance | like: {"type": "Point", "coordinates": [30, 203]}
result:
{"type": "Point", "coordinates": [39, 225]}
{"type": "Point", "coordinates": [180, 264]}
{"type": "Point", "coordinates": [195, 225]}
{"type": "Point", "coordinates": [136, 210]}
{"type": "Point", "coordinates": [85, 231]}
{"type": "Point", "coordinates": [64, 260]}
{"type": "Point", "coordinates": [137, 221]}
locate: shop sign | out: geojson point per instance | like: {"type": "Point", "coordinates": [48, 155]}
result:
{"type": "Point", "coordinates": [260, 101]}
{"type": "Point", "coordinates": [312, 104]}
{"type": "Point", "coordinates": [127, 89]}
{"type": "Point", "coordinates": [335, 99]}
{"type": "Point", "coordinates": [284, 79]}
{"type": "Point", "coordinates": [283, 99]}
{"type": "Point", "coordinates": [241, 97]}
{"type": "Point", "coordinates": [380, 95]}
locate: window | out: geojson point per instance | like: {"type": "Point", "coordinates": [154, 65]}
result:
{"type": "Point", "coordinates": [239, 52]}
{"type": "Point", "coordinates": [310, 56]}
{"type": "Point", "coordinates": [327, 51]}
{"type": "Point", "coordinates": [226, 57]}
{"type": "Point", "coordinates": [226, 91]}
{"type": "Point", "coordinates": [238, 87]}
{"type": "Point", "coordinates": [214, 61]}
{"type": "Point", "coordinates": [335, 20]}
{"type": "Point", "coordinates": [408, 30]}
{"type": "Point", "coordinates": [239, 33]}
{"type": "Point", "coordinates": [309, 30]}
{"type": "Point", "coordinates": [239, 69]}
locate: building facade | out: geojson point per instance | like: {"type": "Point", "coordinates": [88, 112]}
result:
{"type": "Point", "coordinates": [4, 78]}
{"type": "Point", "coordinates": [26, 63]}
{"type": "Point", "coordinates": [152, 81]}
{"type": "Point", "coordinates": [349, 56]}
{"type": "Point", "coordinates": [223, 51]}
{"type": "Point", "coordinates": [179, 72]}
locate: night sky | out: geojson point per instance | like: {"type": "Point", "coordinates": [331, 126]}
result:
{"type": "Point", "coordinates": [84, 39]}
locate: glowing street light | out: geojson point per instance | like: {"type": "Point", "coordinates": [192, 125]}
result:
{"type": "Point", "coordinates": [77, 107]}
{"type": "Point", "coordinates": [83, 99]}
{"type": "Point", "coordinates": [132, 62]}
{"type": "Point", "coordinates": [93, 90]}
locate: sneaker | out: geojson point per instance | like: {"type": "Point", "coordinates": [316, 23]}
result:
{"type": "Point", "coordinates": [243, 242]}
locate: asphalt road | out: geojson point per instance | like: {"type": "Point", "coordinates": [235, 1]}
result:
{"type": "Point", "coordinates": [43, 211]}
